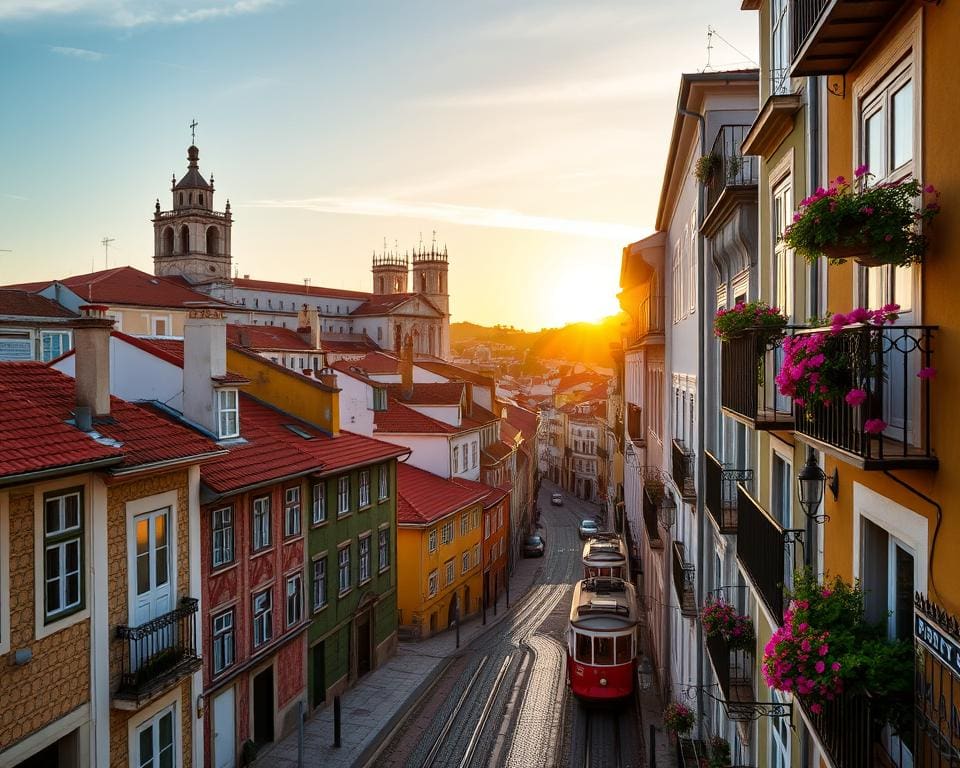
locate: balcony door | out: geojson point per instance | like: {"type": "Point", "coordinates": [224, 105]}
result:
{"type": "Point", "coordinates": [783, 287]}
{"type": "Point", "coordinates": [152, 564]}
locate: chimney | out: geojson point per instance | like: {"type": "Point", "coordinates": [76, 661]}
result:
{"type": "Point", "coordinates": [303, 319]}
{"type": "Point", "coordinates": [204, 358]}
{"type": "Point", "coordinates": [92, 343]}
{"type": "Point", "coordinates": [327, 376]}
{"type": "Point", "coordinates": [316, 326]}
{"type": "Point", "coordinates": [406, 367]}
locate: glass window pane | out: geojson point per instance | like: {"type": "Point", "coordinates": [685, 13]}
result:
{"type": "Point", "coordinates": [53, 515]}
{"type": "Point", "coordinates": [603, 650]}
{"type": "Point", "coordinates": [624, 649]}
{"type": "Point", "coordinates": [143, 574]}
{"type": "Point", "coordinates": [873, 145]}
{"type": "Point", "coordinates": [584, 648]}
{"type": "Point", "coordinates": [71, 511]}
{"type": "Point", "coordinates": [902, 129]}
{"type": "Point", "coordinates": [146, 746]}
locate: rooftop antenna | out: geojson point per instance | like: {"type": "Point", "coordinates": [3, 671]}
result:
{"type": "Point", "coordinates": [193, 132]}
{"type": "Point", "coordinates": [306, 282]}
{"type": "Point", "coordinates": [433, 243]}
{"type": "Point", "coordinates": [106, 249]}
{"type": "Point", "coordinates": [710, 30]}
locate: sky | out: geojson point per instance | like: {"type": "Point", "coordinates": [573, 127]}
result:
{"type": "Point", "coordinates": [531, 136]}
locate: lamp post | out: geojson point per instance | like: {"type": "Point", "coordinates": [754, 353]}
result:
{"type": "Point", "coordinates": [810, 484]}
{"type": "Point", "coordinates": [668, 510]}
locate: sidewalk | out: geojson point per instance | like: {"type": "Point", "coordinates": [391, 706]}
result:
{"type": "Point", "coordinates": [377, 703]}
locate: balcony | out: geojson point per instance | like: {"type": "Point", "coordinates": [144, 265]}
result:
{"type": "Point", "coordinates": [734, 179]}
{"type": "Point", "coordinates": [635, 423]}
{"type": "Point", "coordinates": [652, 495]}
{"type": "Point", "coordinates": [157, 654]}
{"type": "Point", "coordinates": [684, 472]}
{"type": "Point", "coordinates": [764, 550]}
{"type": "Point", "coordinates": [733, 669]}
{"type": "Point", "coordinates": [748, 383]}
{"type": "Point", "coordinates": [830, 35]}
{"type": "Point", "coordinates": [650, 317]}
{"type": "Point", "coordinates": [885, 363]}
{"type": "Point", "coordinates": [721, 501]}
{"type": "Point", "coordinates": [684, 581]}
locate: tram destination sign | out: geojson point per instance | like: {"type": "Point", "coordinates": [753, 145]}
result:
{"type": "Point", "coordinates": [945, 648]}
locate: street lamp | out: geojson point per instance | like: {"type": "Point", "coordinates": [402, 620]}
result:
{"type": "Point", "coordinates": [668, 510]}
{"type": "Point", "coordinates": [810, 484]}
{"type": "Point", "coordinates": [645, 674]}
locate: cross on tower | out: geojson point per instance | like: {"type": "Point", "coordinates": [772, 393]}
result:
{"type": "Point", "coordinates": [193, 131]}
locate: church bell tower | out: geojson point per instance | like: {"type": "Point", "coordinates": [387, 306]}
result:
{"type": "Point", "coordinates": [192, 240]}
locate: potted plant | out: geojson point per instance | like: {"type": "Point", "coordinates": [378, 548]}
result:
{"type": "Point", "coordinates": [719, 753]}
{"type": "Point", "coordinates": [678, 719]}
{"type": "Point", "coordinates": [720, 619]}
{"type": "Point", "coordinates": [819, 368]}
{"type": "Point", "coordinates": [873, 225]}
{"type": "Point", "coordinates": [747, 316]}
{"type": "Point", "coordinates": [706, 167]}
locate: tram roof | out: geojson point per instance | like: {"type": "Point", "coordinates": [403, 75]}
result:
{"type": "Point", "coordinates": [604, 603]}
{"type": "Point", "coordinates": [604, 549]}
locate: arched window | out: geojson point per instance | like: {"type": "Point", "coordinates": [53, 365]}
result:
{"type": "Point", "coordinates": [213, 241]}
{"type": "Point", "coordinates": [190, 198]}
{"type": "Point", "coordinates": [397, 289]}
{"type": "Point", "coordinates": [423, 283]}
{"type": "Point", "coordinates": [201, 198]}
{"type": "Point", "coordinates": [166, 247]}
{"type": "Point", "coordinates": [184, 239]}
{"type": "Point", "coordinates": [181, 198]}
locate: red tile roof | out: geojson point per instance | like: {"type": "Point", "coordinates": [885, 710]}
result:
{"type": "Point", "coordinates": [495, 493]}
{"type": "Point", "coordinates": [38, 401]}
{"type": "Point", "coordinates": [434, 393]}
{"type": "Point", "coordinates": [497, 451]}
{"type": "Point", "coordinates": [128, 285]}
{"type": "Point", "coordinates": [454, 372]}
{"type": "Point", "coordinates": [378, 362]}
{"type": "Point", "coordinates": [401, 419]}
{"type": "Point", "coordinates": [266, 337]}
{"type": "Point", "coordinates": [297, 288]}
{"type": "Point", "coordinates": [523, 419]}
{"type": "Point", "coordinates": [349, 346]}
{"type": "Point", "coordinates": [19, 303]}
{"type": "Point", "coordinates": [424, 498]}
{"type": "Point", "coordinates": [382, 304]}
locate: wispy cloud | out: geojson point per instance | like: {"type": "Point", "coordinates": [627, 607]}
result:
{"type": "Point", "coordinates": [12, 196]}
{"type": "Point", "coordinates": [76, 53]}
{"type": "Point", "coordinates": [474, 216]}
{"type": "Point", "coordinates": [133, 13]}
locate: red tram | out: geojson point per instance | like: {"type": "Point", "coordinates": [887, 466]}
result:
{"type": "Point", "coordinates": [605, 555]}
{"type": "Point", "coordinates": [602, 639]}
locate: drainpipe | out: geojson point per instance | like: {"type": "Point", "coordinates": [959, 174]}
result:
{"type": "Point", "coordinates": [701, 391]}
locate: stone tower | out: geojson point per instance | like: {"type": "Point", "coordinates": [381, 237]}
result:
{"type": "Point", "coordinates": [430, 276]}
{"type": "Point", "coordinates": [192, 240]}
{"type": "Point", "coordinates": [389, 273]}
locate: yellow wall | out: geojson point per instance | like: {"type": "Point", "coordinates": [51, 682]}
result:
{"type": "Point", "coordinates": [289, 391]}
{"type": "Point", "coordinates": [415, 563]}
{"type": "Point", "coordinates": [139, 322]}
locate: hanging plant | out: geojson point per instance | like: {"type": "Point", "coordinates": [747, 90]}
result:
{"type": "Point", "coordinates": [706, 167]}
{"type": "Point", "coordinates": [720, 619]}
{"type": "Point", "coordinates": [678, 718]}
{"type": "Point", "coordinates": [720, 755]}
{"type": "Point", "coordinates": [731, 323]}
{"type": "Point", "coordinates": [735, 164]}
{"type": "Point", "coordinates": [874, 225]}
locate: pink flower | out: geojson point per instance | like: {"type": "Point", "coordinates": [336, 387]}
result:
{"type": "Point", "coordinates": [861, 170]}
{"type": "Point", "coordinates": [824, 649]}
{"type": "Point", "coordinates": [816, 708]}
{"type": "Point", "coordinates": [930, 189]}
{"type": "Point", "coordinates": [835, 666]}
{"type": "Point", "coordinates": [855, 397]}
{"type": "Point", "coordinates": [927, 373]}
{"type": "Point", "coordinates": [874, 426]}
{"type": "Point", "coordinates": [820, 667]}
{"type": "Point", "coordinates": [888, 238]}
{"type": "Point", "coordinates": [797, 216]}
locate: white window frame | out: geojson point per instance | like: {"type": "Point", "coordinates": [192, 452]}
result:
{"type": "Point", "coordinates": [451, 571]}
{"type": "Point", "coordinates": [476, 555]}
{"type": "Point", "coordinates": [63, 537]}
{"type": "Point", "coordinates": [292, 522]}
{"type": "Point", "coordinates": [318, 503]}
{"type": "Point", "coordinates": [320, 598]}
{"type": "Point", "coordinates": [343, 495]}
{"type": "Point", "coordinates": [226, 409]}
{"type": "Point", "coordinates": [465, 561]}
{"type": "Point", "coordinates": [432, 540]}
{"type": "Point", "coordinates": [363, 492]}
{"type": "Point", "coordinates": [153, 722]}
{"type": "Point", "coordinates": [780, 33]}
{"type": "Point", "coordinates": [433, 583]}
{"type": "Point", "coordinates": [167, 321]}
{"type": "Point", "coordinates": [64, 348]}
{"type": "Point", "coordinates": [456, 457]}
{"type": "Point", "coordinates": [225, 534]}
{"type": "Point", "coordinates": [384, 484]}
{"type": "Point", "coordinates": [262, 620]}
{"type": "Point", "coordinates": [344, 575]}
{"type": "Point", "coordinates": [383, 548]}
{"type": "Point", "coordinates": [447, 532]}
{"type": "Point", "coordinates": [473, 454]}
{"type": "Point", "coordinates": [464, 523]}
{"type": "Point", "coordinates": [294, 610]}
{"type": "Point", "coordinates": [364, 559]}
{"type": "Point", "coordinates": [262, 524]}
{"type": "Point", "coordinates": [223, 633]}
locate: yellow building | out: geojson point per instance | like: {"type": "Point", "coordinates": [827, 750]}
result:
{"type": "Point", "coordinates": [439, 554]}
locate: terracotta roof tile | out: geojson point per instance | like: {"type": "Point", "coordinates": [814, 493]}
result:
{"type": "Point", "coordinates": [424, 498]}
{"type": "Point", "coordinates": [433, 393]}
{"type": "Point", "coordinates": [382, 304]}
{"type": "Point", "coordinates": [267, 337]}
{"type": "Point", "coordinates": [494, 493]}
{"type": "Point", "coordinates": [378, 362]}
{"type": "Point", "coordinates": [297, 288]}
{"type": "Point", "coordinates": [16, 302]}
{"type": "Point", "coordinates": [399, 418]}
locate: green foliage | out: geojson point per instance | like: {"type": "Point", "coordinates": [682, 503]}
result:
{"type": "Point", "coordinates": [706, 167]}
{"type": "Point", "coordinates": [729, 323]}
{"type": "Point", "coordinates": [719, 752]}
{"type": "Point", "coordinates": [678, 718]}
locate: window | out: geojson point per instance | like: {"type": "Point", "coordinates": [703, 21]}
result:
{"type": "Point", "coordinates": [63, 553]}
{"type": "Point", "coordinates": [222, 536]}
{"type": "Point", "coordinates": [291, 512]}
{"type": "Point", "coordinates": [476, 555]}
{"type": "Point", "coordinates": [451, 568]}
{"type": "Point", "coordinates": [446, 533]}
{"type": "Point", "coordinates": [343, 568]}
{"type": "Point", "coordinates": [465, 562]}
{"type": "Point", "coordinates": [222, 641]}
{"type": "Point", "coordinates": [319, 503]}
{"type": "Point", "coordinates": [262, 618]}
{"type": "Point", "coordinates": [343, 494]}
{"type": "Point", "coordinates": [584, 648]}
{"type": "Point", "coordinates": [155, 745]}
{"type": "Point", "coordinates": [782, 255]}
{"type": "Point", "coordinates": [456, 457]}
{"type": "Point", "coordinates": [228, 412]}
{"type": "Point", "coordinates": [463, 463]}
{"type": "Point", "coordinates": [53, 344]}
{"type": "Point", "coordinates": [473, 454]}
{"type": "Point", "coordinates": [432, 580]}
{"type": "Point", "coordinates": [294, 599]}
{"type": "Point", "coordinates": [319, 583]}
{"type": "Point", "coordinates": [475, 519]}
{"type": "Point", "coordinates": [261, 523]}
{"type": "Point", "coordinates": [379, 399]}
{"type": "Point", "coordinates": [364, 559]}
{"type": "Point", "coordinates": [384, 488]}
{"type": "Point", "coordinates": [383, 549]}
{"type": "Point", "coordinates": [603, 651]}
{"type": "Point", "coordinates": [432, 541]}
{"type": "Point", "coordinates": [464, 524]}
{"type": "Point", "coordinates": [780, 47]}
{"type": "Point", "coordinates": [364, 488]}
{"type": "Point", "coordinates": [486, 526]}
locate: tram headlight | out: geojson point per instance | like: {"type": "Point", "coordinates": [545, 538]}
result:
{"type": "Point", "coordinates": [603, 681]}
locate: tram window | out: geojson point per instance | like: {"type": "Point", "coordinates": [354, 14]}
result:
{"type": "Point", "coordinates": [624, 649]}
{"type": "Point", "coordinates": [583, 648]}
{"type": "Point", "coordinates": [603, 650]}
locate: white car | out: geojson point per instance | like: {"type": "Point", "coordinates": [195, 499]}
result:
{"type": "Point", "coordinates": [557, 499]}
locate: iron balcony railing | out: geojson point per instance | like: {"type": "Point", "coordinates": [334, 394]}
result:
{"type": "Point", "coordinates": [762, 549]}
{"type": "Point", "coordinates": [829, 36]}
{"type": "Point", "coordinates": [804, 15]}
{"type": "Point", "coordinates": [732, 169]}
{"type": "Point", "coordinates": [684, 580]}
{"type": "Point", "coordinates": [890, 364]}
{"type": "Point", "coordinates": [652, 495]}
{"type": "Point", "coordinates": [748, 387]}
{"type": "Point", "coordinates": [721, 501]}
{"type": "Point", "coordinates": [158, 653]}
{"type": "Point", "coordinates": [684, 473]}
{"type": "Point", "coordinates": [650, 316]}
{"type": "Point", "coordinates": [733, 669]}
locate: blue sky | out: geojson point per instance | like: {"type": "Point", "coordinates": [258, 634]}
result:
{"type": "Point", "coordinates": [530, 135]}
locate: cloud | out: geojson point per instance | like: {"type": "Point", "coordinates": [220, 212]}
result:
{"type": "Point", "coordinates": [474, 216]}
{"type": "Point", "coordinates": [76, 53]}
{"type": "Point", "coordinates": [133, 13]}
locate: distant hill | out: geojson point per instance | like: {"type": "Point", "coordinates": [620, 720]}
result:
{"type": "Point", "coordinates": [575, 343]}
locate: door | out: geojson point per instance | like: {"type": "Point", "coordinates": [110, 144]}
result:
{"type": "Point", "coordinates": [156, 744]}
{"type": "Point", "coordinates": [224, 730]}
{"type": "Point", "coordinates": [263, 706]}
{"type": "Point", "coordinates": [152, 567]}
{"type": "Point", "coordinates": [319, 674]}
{"type": "Point", "coordinates": [363, 644]}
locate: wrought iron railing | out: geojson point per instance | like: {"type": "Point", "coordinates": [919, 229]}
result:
{"type": "Point", "coordinates": [721, 501]}
{"type": "Point", "coordinates": [650, 316]}
{"type": "Point", "coordinates": [684, 580]}
{"type": "Point", "coordinates": [190, 209]}
{"type": "Point", "coordinates": [652, 495]}
{"type": "Point", "coordinates": [159, 652]}
{"type": "Point", "coordinates": [748, 371]}
{"type": "Point", "coordinates": [804, 15]}
{"type": "Point", "coordinates": [684, 473]}
{"type": "Point", "coordinates": [890, 364]}
{"type": "Point", "coordinates": [732, 169]}
{"type": "Point", "coordinates": [761, 550]}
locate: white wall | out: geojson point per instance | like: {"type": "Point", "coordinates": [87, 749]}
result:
{"type": "Point", "coordinates": [448, 414]}
{"type": "Point", "coordinates": [429, 452]}
{"type": "Point", "coordinates": [466, 442]}
{"type": "Point", "coordinates": [356, 401]}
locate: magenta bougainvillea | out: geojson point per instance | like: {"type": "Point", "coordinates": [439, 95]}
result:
{"type": "Point", "coordinates": [729, 323]}
{"type": "Point", "coordinates": [720, 619]}
{"type": "Point", "coordinates": [678, 718]}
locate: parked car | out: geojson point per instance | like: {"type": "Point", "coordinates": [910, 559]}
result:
{"type": "Point", "coordinates": [534, 546]}
{"type": "Point", "coordinates": [557, 499]}
{"type": "Point", "coordinates": [588, 528]}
